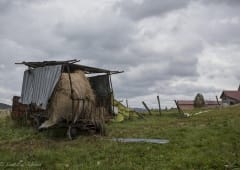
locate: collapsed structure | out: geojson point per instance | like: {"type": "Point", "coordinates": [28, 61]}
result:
{"type": "Point", "coordinates": [58, 93]}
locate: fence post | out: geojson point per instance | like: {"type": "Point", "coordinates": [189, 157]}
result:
{"type": "Point", "coordinates": [159, 106]}
{"type": "Point", "coordinates": [145, 105]}
{"type": "Point", "coordinates": [180, 111]}
{"type": "Point", "coordinates": [217, 100]}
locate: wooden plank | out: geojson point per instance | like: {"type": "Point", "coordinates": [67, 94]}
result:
{"type": "Point", "coordinates": [145, 105]}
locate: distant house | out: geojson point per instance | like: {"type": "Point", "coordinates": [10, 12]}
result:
{"type": "Point", "coordinates": [186, 104]}
{"type": "Point", "coordinates": [189, 104]}
{"type": "Point", "coordinates": [230, 97]}
{"type": "Point", "coordinates": [211, 104]}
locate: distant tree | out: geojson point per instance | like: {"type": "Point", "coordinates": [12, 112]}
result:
{"type": "Point", "coordinates": [199, 101]}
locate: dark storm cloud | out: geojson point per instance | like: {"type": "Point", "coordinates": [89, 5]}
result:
{"type": "Point", "coordinates": [149, 8]}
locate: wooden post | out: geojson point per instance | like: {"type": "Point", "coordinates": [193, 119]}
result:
{"type": "Point", "coordinates": [180, 111]}
{"type": "Point", "coordinates": [217, 100]}
{"type": "Point", "coordinates": [159, 106]}
{"type": "Point", "coordinates": [111, 94]}
{"type": "Point", "coordinates": [129, 113]}
{"type": "Point", "coordinates": [145, 105]}
{"type": "Point", "coordinates": [139, 115]}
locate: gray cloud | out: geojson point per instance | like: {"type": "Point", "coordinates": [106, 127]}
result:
{"type": "Point", "coordinates": [175, 48]}
{"type": "Point", "coordinates": [149, 8]}
{"type": "Point", "coordinates": [226, 2]}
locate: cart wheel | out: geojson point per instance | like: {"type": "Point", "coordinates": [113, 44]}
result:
{"type": "Point", "coordinates": [36, 123]}
{"type": "Point", "coordinates": [72, 132]}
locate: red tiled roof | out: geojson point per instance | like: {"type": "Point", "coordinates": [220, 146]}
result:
{"type": "Point", "coordinates": [231, 94]}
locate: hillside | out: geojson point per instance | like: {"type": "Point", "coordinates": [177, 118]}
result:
{"type": "Point", "coordinates": [4, 106]}
{"type": "Point", "coordinates": [206, 141]}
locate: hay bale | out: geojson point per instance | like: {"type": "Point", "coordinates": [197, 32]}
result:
{"type": "Point", "coordinates": [60, 105]}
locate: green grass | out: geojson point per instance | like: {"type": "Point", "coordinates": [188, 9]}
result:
{"type": "Point", "coordinates": [206, 141]}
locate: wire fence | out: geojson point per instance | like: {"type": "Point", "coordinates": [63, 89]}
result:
{"type": "Point", "coordinates": [165, 104]}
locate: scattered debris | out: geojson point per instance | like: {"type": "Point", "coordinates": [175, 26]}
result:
{"type": "Point", "coordinates": [198, 113]}
{"type": "Point", "coordinates": [186, 114]}
{"type": "Point", "coordinates": [194, 114]}
{"type": "Point", "coordinates": [124, 113]}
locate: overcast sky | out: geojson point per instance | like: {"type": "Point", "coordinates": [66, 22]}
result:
{"type": "Point", "coordinates": [174, 48]}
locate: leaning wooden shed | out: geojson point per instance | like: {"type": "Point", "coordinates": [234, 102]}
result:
{"type": "Point", "coordinates": [58, 93]}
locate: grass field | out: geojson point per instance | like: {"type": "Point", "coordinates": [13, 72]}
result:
{"type": "Point", "coordinates": [206, 141]}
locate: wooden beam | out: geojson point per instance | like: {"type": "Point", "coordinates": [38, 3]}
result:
{"type": "Point", "coordinates": [145, 105]}
{"type": "Point", "coordinates": [44, 63]}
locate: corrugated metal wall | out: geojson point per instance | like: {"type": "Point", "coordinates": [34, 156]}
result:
{"type": "Point", "coordinates": [38, 85]}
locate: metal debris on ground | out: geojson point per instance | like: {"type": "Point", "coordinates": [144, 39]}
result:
{"type": "Point", "coordinates": [141, 140]}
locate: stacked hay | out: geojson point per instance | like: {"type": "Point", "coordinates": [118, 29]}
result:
{"type": "Point", "coordinates": [60, 105]}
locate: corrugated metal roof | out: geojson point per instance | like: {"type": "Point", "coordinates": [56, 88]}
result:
{"type": "Point", "coordinates": [38, 85]}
